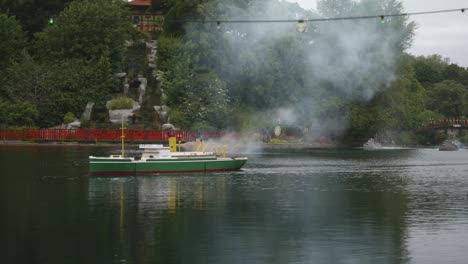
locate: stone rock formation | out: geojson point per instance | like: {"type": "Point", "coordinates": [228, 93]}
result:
{"type": "Point", "coordinates": [115, 116]}
{"type": "Point", "coordinates": [87, 112]}
{"type": "Point", "coordinates": [142, 88]}
{"type": "Point", "coordinates": [74, 125]}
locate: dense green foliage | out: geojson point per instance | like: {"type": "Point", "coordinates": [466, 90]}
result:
{"type": "Point", "coordinates": [72, 62]}
{"type": "Point", "coordinates": [121, 102]}
{"type": "Point", "coordinates": [65, 86]}
{"type": "Point", "coordinates": [84, 31]}
{"type": "Point", "coordinates": [349, 78]}
{"type": "Point", "coordinates": [17, 114]}
{"type": "Point", "coordinates": [12, 38]}
{"type": "Point", "coordinates": [68, 118]}
{"type": "Point", "coordinates": [197, 95]}
{"type": "Point", "coordinates": [34, 15]}
{"type": "Point", "coordinates": [342, 79]}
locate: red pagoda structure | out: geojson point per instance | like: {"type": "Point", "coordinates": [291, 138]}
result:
{"type": "Point", "coordinates": [144, 18]}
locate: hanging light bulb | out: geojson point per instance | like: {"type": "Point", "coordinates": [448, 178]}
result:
{"type": "Point", "coordinates": [382, 19]}
{"type": "Point", "coordinates": [218, 24]}
{"type": "Point", "coordinates": [301, 26]}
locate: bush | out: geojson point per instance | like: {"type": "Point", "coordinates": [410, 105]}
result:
{"type": "Point", "coordinates": [179, 119]}
{"type": "Point", "coordinates": [68, 118]}
{"type": "Point", "coordinates": [84, 122]}
{"type": "Point", "coordinates": [17, 114]}
{"type": "Point", "coordinates": [121, 102]}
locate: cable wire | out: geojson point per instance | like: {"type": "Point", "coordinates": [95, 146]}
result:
{"type": "Point", "coordinates": [323, 19]}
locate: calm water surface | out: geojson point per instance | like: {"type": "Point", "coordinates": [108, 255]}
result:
{"type": "Point", "coordinates": [340, 206]}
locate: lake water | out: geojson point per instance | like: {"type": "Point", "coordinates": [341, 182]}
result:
{"type": "Point", "coordinates": [333, 206]}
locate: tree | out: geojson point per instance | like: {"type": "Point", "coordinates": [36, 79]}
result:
{"type": "Point", "coordinates": [455, 73]}
{"type": "Point", "coordinates": [448, 98]}
{"type": "Point", "coordinates": [13, 40]}
{"type": "Point", "coordinates": [43, 10]}
{"type": "Point", "coordinates": [86, 30]}
{"type": "Point", "coordinates": [399, 106]}
{"type": "Point", "coordinates": [352, 62]}
{"type": "Point", "coordinates": [196, 95]}
{"type": "Point", "coordinates": [365, 120]}
{"type": "Point", "coordinates": [20, 114]}
{"type": "Point", "coordinates": [186, 10]}
{"type": "Point", "coordinates": [204, 102]}
{"type": "Point", "coordinates": [267, 66]}
{"type": "Point", "coordinates": [53, 90]}
{"type": "Point", "coordinates": [73, 84]}
{"type": "Point", "coordinates": [430, 69]}
{"type": "Point", "coordinates": [26, 81]}
{"type": "Point", "coordinates": [176, 63]}
{"type": "Point", "coordinates": [335, 8]}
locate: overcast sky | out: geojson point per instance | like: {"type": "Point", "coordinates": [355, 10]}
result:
{"type": "Point", "coordinates": [444, 34]}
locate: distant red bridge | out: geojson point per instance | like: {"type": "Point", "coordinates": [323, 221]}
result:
{"type": "Point", "coordinates": [444, 124]}
{"type": "Point", "coordinates": [94, 135]}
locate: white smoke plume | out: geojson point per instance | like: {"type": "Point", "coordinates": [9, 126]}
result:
{"type": "Point", "coordinates": [339, 61]}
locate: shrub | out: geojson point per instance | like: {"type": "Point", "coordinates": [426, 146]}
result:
{"type": "Point", "coordinates": [68, 118]}
{"type": "Point", "coordinates": [121, 102]}
{"type": "Point", "coordinates": [84, 122]}
{"type": "Point", "coordinates": [178, 118]}
{"type": "Point", "coordinates": [17, 114]}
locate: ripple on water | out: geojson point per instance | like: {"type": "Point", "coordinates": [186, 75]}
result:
{"type": "Point", "coordinates": [393, 206]}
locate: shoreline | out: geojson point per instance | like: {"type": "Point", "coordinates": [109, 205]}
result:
{"type": "Point", "coordinates": [300, 147]}
{"type": "Point", "coordinates": [58, 143]}
{"type": "Point", "coordinates": [264, 146]}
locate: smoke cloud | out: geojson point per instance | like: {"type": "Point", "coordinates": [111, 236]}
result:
{"type": "Point", "coordinates": [338, 62]}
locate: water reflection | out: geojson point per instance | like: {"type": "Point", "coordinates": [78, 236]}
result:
{"type": "Point", "coordinates": [352, 206]}
{"type": "Point", "coordinates": [145, 207]}
{"type": "Point", "coordinates": [234, 218]}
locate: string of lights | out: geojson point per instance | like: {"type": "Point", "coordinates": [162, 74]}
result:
{"type": "Point", "coordinates": [382, 16]}
{"type": "Point", "coordinates": [301, 23]}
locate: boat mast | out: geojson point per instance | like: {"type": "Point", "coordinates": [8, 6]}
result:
{"type": "Point", "coordinates": [123, 137]}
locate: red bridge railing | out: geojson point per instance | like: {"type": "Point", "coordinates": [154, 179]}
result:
{"type": "Point", "coordinates": [443, 124]}
{"type": "Point", "coordinates": [86, 135]}
{"type": "Point", "coordinates": [446, 123]}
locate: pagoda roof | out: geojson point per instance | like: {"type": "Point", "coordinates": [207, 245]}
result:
{"type": "Point", "coordinates": [140, 2]}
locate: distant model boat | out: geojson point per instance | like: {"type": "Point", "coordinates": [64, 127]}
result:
{"type": "Point", "coordinates": [157, 159]}
{"type": "Point", "coordinates": [371, 144]}
{"type": "Point", "coordinates": [448, 145]}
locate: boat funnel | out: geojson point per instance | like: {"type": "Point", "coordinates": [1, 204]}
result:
{"type": "Point", "coordinates": [173, 144]}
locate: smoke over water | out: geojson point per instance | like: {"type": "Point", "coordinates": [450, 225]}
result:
{"type": "Point", "coordinates": [322, 70]}
{"type": "Point", "coordinates": [226, 145]}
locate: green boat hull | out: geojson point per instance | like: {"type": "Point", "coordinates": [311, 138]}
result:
{"type": "Point", "coordinates": [103, 166]}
